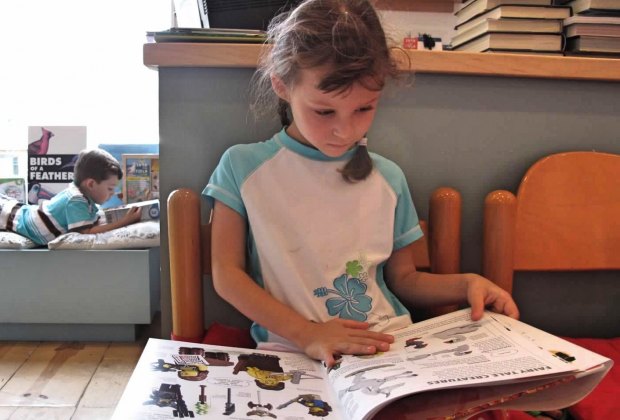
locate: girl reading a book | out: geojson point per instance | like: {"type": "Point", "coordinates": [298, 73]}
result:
{"type": "Point", "coordinates": [312, 234]}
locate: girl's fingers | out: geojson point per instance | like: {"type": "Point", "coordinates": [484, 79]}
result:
{"type": "Point", "coordinates": [362, 331]}
{"type": "Point", "coordinates": [349, 323]}
{"type": "Point", "coordinates": [477, 307]}
{"type": "Point", "coordinates": [509, 308]}
{"type": "Point", "coordinates": [361, 346]}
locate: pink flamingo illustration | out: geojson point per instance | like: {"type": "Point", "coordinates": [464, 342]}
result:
{"type": "Point", "coordinates": [40, 147]}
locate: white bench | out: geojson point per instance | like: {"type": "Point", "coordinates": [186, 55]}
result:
{"type": "Point", "coordinates": [81, 295]}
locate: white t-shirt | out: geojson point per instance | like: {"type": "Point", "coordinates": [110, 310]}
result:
{"type": "Point", "coordinates": [316, 242]}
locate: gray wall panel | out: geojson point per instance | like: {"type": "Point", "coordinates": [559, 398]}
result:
{"type": "Point", "coordinates": [473, 133]}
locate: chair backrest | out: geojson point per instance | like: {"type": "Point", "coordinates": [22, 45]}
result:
{"type": "Point", "coordinates": [189, 243]}
{"type": "Point", "coordinates": [565, 216]}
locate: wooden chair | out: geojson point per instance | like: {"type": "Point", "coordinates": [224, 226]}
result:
{"type": "Point", "coordinates": [190, 254]}
{"type": "Point", "coordinates": [564, 217]}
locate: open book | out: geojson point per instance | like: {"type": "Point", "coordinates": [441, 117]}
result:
{"type": "Point", "coordinates": [149, 210]}
{"type": "Point", "coordinates": [445, 367]}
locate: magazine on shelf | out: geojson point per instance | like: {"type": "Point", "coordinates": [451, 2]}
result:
{"type": "Point", "coordinates": [219, 35]}
{"type": "Point", "coordinates": [14, 188]}
{"type": "Point", "coordinates": [52, 154]}
{"type": "Point", "coordinates": [141, 180]}
{"type": "Point", "coordinates": [445, 367]}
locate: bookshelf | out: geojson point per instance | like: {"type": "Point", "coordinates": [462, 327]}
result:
{"type": "Point", "coordinates": [157, 55]}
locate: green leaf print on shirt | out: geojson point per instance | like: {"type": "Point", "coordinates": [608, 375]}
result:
{"type": "Point", "coordinates": [352, 301]}
{"type": "Point", "coordinates": [354, 268]}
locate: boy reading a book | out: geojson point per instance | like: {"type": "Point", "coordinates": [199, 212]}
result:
{"type": "Point", "coordinates": [74, 209]}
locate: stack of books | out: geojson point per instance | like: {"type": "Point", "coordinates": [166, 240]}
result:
{"type": "Point", "coordinates": [510, 26]}
{"type": "Point", "coordinates": [594, 28]}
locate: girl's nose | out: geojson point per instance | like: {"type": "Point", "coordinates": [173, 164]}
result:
{"type": "Point", "coordinates": [343, 129]}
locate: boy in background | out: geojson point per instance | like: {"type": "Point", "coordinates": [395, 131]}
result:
{"type": "Point", "coordinates": [74, 209]}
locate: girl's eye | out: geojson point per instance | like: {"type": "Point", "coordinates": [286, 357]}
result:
{"type": "Point", "coordinates": [365, 109]}
{"type": "Point", "coordinates": [324, 112]}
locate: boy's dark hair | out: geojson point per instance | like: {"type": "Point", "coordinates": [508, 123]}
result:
{"type": "Point", "coordinates": [345, 35]}
{"type": "Point", "coordinates": [96, 164]}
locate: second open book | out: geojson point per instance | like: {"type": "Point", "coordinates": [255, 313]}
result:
{"type": "Point", "coordinates": [445, 367]}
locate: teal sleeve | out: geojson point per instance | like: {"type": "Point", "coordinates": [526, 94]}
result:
{"type": "Point", "coordinates": [224, 184]}
{"type": "Point", "coordinates": [79, 214]}
{"type": "Point", "coordinates": [236, 165]}
{"type": "Point", "coordinates": [406, 223]}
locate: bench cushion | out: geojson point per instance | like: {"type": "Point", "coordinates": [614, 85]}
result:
{"type": "Point", "coordinates": [138, 235]}
{"type": "Point", "coordinates": [10, 240]}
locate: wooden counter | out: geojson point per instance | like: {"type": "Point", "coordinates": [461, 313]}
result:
{"type": "Point", "coordinates": [439, 62]}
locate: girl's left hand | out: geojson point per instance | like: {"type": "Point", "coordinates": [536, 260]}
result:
{"type": "Point", "coordinates": [482, 293]}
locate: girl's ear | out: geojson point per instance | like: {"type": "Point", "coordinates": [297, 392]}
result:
{"type": "Point", "coordinates": [279, 88]}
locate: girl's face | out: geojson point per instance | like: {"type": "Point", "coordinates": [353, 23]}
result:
{"type": "Point", "coordinates": [331, 122]}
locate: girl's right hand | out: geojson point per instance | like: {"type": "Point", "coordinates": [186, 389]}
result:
{"type": "Point", "coordinates": [327, 340]}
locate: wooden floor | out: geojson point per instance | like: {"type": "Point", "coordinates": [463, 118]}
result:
{"type": "Point", "coordinates": [64, 381]}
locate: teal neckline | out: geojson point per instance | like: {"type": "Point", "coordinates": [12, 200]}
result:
{"type": "Point", "coordinates": [309, 152]}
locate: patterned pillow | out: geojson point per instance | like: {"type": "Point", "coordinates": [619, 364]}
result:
{"type": "Point", "coordinates": [138, 235]}
{"type": "Point", "coordinates": [10, 240]}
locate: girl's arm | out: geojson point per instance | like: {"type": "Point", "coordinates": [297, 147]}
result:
{"type": "Point", "coordinates": [417, 288]}
{"type": "Point", "coordinates": [318, 340]}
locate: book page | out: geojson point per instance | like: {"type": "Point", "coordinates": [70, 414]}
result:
{"type": "Point", "coordinates": [452, 351]}
{"type": "Point", "coordinates": [173, 379]}
{"type": "Point", "coordinates": [446, 367]}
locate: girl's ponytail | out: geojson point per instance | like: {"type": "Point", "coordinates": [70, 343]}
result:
{"type": "Point", "coordinates": [283, 113]}
{"type": "Point", "coordinates": [360, 165]}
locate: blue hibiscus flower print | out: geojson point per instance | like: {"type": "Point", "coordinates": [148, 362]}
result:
{"type": "Point", "coordinates": [351, 301]}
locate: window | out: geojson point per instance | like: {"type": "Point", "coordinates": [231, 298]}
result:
{"type": "Point", "coordinates": [77, 62]}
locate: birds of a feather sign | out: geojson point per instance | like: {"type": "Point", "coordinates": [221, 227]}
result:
{"type": "Point", "coordinates": [52, 152]}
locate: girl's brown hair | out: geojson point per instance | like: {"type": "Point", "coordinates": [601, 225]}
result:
{"type": "Point", "coordinates": [346, 36]}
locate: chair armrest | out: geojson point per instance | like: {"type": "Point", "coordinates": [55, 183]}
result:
{"type": "Point", "coordinates": [500, 212]}
{"type": "Point", "coordinates": [184, 242]}
{"type": "Point", "coordinates": [444, 222]}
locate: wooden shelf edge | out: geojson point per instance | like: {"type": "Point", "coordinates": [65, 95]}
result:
{"type": "Point", "coordinates": [157, 55]}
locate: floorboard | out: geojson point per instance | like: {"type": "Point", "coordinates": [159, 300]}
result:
{"type": "Point", "coordinates": [12, 356]}
{"type": "Point", "coordinates": [111, 376]}
{"type": "Point", "coordinates": [64, 381]}
{"type": "Point", "coordinates": [42, 413]}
